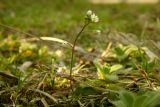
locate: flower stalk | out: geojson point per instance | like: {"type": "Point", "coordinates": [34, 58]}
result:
{"type": "Point", "coordinates": [72, 53]}
{"type": "Point", "coordinates": [90, 17]}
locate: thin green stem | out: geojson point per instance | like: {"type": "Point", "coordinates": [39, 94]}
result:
{"type": "Point", "coordinates": [74, 44]}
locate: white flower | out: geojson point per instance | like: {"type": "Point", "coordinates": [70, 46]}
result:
{"type": "Point", "coordinates": [94, 18]}
{"type": "Point", "coordinates": [89, 13]}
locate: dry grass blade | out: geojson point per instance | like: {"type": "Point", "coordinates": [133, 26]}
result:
{"type": "Point", "coordinates": [44, 102]}
{"type": "Point", "coordinates": [11, 77]}
{"type": "Point", "coordinates": [56, 40]}
{"type": "Point", "coordinates": [107, 50]}
{"type": "Point", "coordinates": [45, 94]}
{"type": "Point", "coordinates": [145, 75]}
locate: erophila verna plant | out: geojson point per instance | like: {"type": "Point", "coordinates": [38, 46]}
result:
{"type": "Point", "coordinates": [90, 17]}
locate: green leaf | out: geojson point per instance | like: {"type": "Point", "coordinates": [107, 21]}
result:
{"type": "Point", "coordinates": [139, 102]}
{"type": "Point", "coordinates": [105, 69]}
{"type": "Point", "coordinates": [111, 78]}
{"type": "Point", "coordinates": [152, 99]}
{"type": "Point", "coordinates": [119, 51]}
{"type": "Point", "coordinates": [127, 98]}
{"type": "Point", "coordinates": [119, 104]}
{"type": "Point", "coordinates": [116, 67]}
{"type": "Point", "coordinates": [130, 49]}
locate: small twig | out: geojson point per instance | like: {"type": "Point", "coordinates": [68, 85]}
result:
{"type": "Point", "coordinates": [44, 102]}
{"type": "Point", "coordinates": [22, 32]}
{"type": "Point", "coordinates": [16, 30]}
{"type": "Point", "coordinates": [45, 94]}
{"type": "Point", "coordinates": [37, 37]}
{"type": "Point", "coordinates": [41, 83]}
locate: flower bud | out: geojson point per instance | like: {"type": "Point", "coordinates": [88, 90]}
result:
{"type": "Point", "coordinates": [89, 13]}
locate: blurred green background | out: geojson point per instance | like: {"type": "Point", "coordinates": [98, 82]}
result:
{"type": "Point", "coordinates": [65, 17]}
